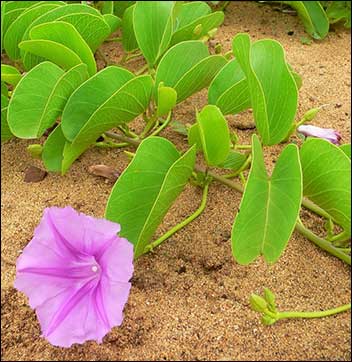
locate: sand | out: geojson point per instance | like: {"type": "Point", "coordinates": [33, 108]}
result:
{"type": "Point", "coordinates": [189, 299]}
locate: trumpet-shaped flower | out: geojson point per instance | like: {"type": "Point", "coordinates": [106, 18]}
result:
{"type": "Point", "coordinates": [328, 134]}
{"type": "Point", "coordinates": [75, 272]}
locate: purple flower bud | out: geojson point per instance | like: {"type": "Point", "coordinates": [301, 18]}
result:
{"type": "Point", "coordinates": [328, 134]}
{"type": "Point", "coordinates": [75, 272]}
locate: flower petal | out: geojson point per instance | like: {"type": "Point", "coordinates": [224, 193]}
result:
{"type": "Point", "coordinates": [71, 317]}
{"type": "Point", "coordinates": [85, 233]}
{"type": "Point", "coordinates": [117, 260]}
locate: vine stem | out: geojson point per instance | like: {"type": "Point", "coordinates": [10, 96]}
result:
{"type": "Point", "coordinates": [241, 169]}
{"type": "Point", "coordinates": [315, 208]}
{"type": "Point", "coordinates": [243, 147]}
{"type": "Point", "coordinates": [163, 125]}
{"type": "Point", "coordinates": [322, 243]}
{"type": "Point", "coordinates": [142, 70]}
{"type": "Point", "coordinates": [315, 314]}
{"type": "Point", "coordinates": [113, 39]}
{"type": "Point", "coordinates": [122, 138]}
{"type": "Point", "coordinates": [133, 56]}
{"type": "Point", "coordinates": [182, 224]}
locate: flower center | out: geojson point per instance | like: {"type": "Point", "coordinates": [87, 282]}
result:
{"type": "Point", "coordinates": [94, 268]}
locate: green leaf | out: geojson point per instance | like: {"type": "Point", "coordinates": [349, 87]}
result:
{"type": "Point", "coordinates": [52, 51]}
{"type": "Point", "coordinates": [214, 135]}
{"type": "Point", "coordinates": [234, 161]}
{"type": "Point", "coordinates": [3, 9]}
{"type": "Point", "coordinates": [204, 23]}
{"type": "Point", "coordinates": [113, 21]}
{"type": "Point", "coordinates": [4, 90]}
{"type": "Point", "coordinates": [15, 8]}
{"type": "Point", "coordinates": [40, 97]}
{"type": "Point", "coordinates": [166, 100]}
{"type": "Point", "coordinates": [273, 91]}
{"type": "Point", "coordinates": [153, 26]}
{"type": "Point", "coordinates": [108, 7]}
{"type": "Point", "coordinates": [4, 101]}
{"type": "Point", "coordinates": [270, 298]}
{"type": "Point", "coordinates": [60, 34]}
{"type": "Point", "coordinates": [269, 207]}
{"type": "Point", "coordinates": [84, 18]}
{"type": "Point", "coordinates": [6, 133]}
{"type": "Point", "coordinates": [229, 89]}
{"type": "Point", "coordinates": [86, 102]}
{"type": "Point", "coordinates": [187, 67]}
{"type": "Point", "coordinates": [327, 179]}
{"type": "Point", "coordinates": [339, 10]}
{"type": "Point", "coordinates": [11, 12]}
{"type": "Point", "coordinates": [121, 6]}
{"type": "Point", "coordinates": [258, 304]}
{"type": "Point", "coordinates": [147, 188]}
{"type": "Point", "coordinates": [129, 41]}
{"type": "Point", "coordinates": [17, 29]}
{"type": "Point", "coordinates": [346, 148]}
{"type": "Point", "coordinates": [267, 320]}
{"type": "Point", "coordinates": [53, 150]}
{"type": "Point", "coordinates": [89, 113]}
{"type": "Point", "coordinates": [189, 12]}
{"type": "Point", "coordinates": [10, 74]}
{"type": "Point", "coordinates": [194, 137]}
{"type": "Point", "coordinates": [35, 151]}
{"type": "Point", "coordinates": [313, 17]}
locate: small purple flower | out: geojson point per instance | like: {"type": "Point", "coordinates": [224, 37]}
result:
{"type": "Point", "coordinates": [75, 272]}
{"type": "Point", "coordinates": [328, 134]}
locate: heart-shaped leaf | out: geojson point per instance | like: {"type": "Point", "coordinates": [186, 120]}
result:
{"type": "Point", "coordinates": [234, 161]}
{"type": "Point", "coordinates": [10, 11]}
{"type": "Point", "coordinates": [108, 7]}
{"type": "Point", "coordinates": [40, 96]}
{"type": "Point", "coordinates": [113, 21]}
{"type": "Point", "coordinates": [346, 148]}
{"type": "Point", "coordinates": [17, 29]}
{"type": "Point", "coordinates": [153, 26]}
{"type": "Point", "coordinates": [129, 41]}
{"type": "Point", "coordinates": [269, 207]}
{"type": "Point", "coordinates": [88, 114]}
{"type": "Point", "coordinates": [339, 11]}
{"type": "Point", "coordinates": [83, 17]}
{"type": "Point", "coordinates": [187, 67]}
{"type": "Point", "coordinates": [53, 149]}
{"type": "Point", "coordinates": [229, 89]}
{"type": "Point", "coordinates": [86, 102]}
{"type": "Point", "coordinates": [10, 74]}
{"type": "Point", "coordinates": [189, 12]}
{"type": "Point", "coordinates": [273, 91]}
{"type": "Point", "coordinates": [313, 17]}
{"type": "Point", "coordinates": [190, 20]}
{"type": "Point", "coordinates": [147, 188]}
{"type": "Point", "coordinates": [213, 135]}
{"type": "Point", "coordinates": [120, 7]}
{"type": "Point", "coordinates": [60, 34]}
{"type": "Point", "coordinates": [327, 179]}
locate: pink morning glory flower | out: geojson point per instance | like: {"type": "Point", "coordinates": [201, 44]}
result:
{"type": "Point", "coordinates": [328, 134]}
{"type": "Point", "coordinates": [75, 272]}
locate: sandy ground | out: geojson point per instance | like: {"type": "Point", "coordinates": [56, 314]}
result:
{"type": "Point", "coordinates": [189, 299]}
